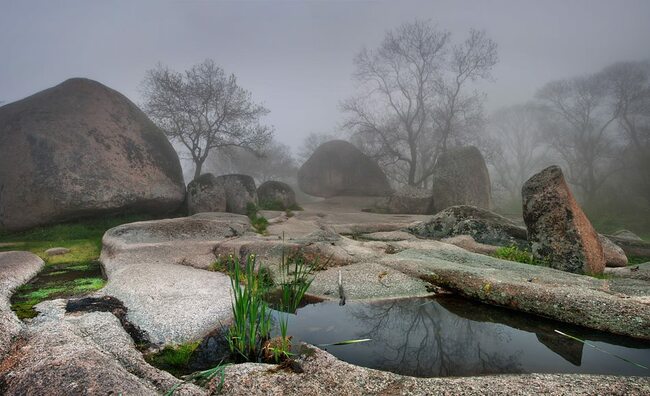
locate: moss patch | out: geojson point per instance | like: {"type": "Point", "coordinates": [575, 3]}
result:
{"type": "Point", "coordinates": [173, 359]}
{"type": "Point", "coordinates": [72, 274]}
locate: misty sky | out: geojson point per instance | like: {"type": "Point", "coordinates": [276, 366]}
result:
{"type": "Point", "coordinates": [295, 56]}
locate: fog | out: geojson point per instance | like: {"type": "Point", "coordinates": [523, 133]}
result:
{"type": "Point", "coordinates": [296, 56]}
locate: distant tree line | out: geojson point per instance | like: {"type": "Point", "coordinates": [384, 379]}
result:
{"type": "Point", "coordinates": [596, 126]}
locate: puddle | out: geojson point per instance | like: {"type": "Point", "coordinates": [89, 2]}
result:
{"type": "Point", "coordinates": [450, 336]}
{"type": "Point", "coordinates": [57, 281]}
{"type": "Point", "coordinates": [445, 336]}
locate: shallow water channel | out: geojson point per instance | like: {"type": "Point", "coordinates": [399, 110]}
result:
{"type": "Point", "coordinates": [451, 336]}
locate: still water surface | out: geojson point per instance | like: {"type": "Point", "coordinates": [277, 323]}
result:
{"type": "Point", "coordinates": [450, 336]}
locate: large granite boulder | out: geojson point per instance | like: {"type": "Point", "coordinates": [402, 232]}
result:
{"type": "Point", "coordinates": [81, 149]}
{"type": "Point", "coordinates": [484, 226]}
{"type": "Point", "coordinates": [240, 192]}
{"type": "Point", "coordinates": [338, 168]}
{"type": "Point", "coordinates": [558, 230]}
{"type": "Point", "coordinates": [205, 194]}
{"type": "Point", "coordinates": [276, 195]}
{"type": "Point", "coordinates": [460, 177]}
{"type": "Point", "coordinates": [408, 200]}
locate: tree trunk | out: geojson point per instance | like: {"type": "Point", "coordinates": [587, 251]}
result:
{"type": "Point", "coordinates": [197, 169]}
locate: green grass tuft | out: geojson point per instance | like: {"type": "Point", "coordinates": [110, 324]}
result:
{"type": "Point", "coordinates": [259, 223]}
{"type": "Point", "coordinates": [174, 358]}
{"type": "Point", "coordinates": [513, 253]}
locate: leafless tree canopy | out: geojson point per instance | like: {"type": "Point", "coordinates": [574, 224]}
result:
{"type": "Point", "coordinates": [520, 149]}
{"type": "Point", "coordinates": [579, 113]}
{"type": "Point", "coordinates": [413, 97]}
{"type": "Point", "coordinates": [204, 109]}
{"type": "Point", "coordinates": [311, 143]}
{"type": "Point", "coordinates": [274, 162]}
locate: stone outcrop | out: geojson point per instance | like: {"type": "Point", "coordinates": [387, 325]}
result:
{"type": "Point", "coordinates": [240, 192]}
{"type": "Point", "coordinates": [81, 355]}
{"type": "Point", "coordinates": [324, 374]}
{"type": "Point", "coordinates": [81, 149]}
{"type": "Point", "coordinates": [152, 268]}
{"type": "Point", "coordinates": [276, 195]}
{"type": "Point", "coordinates": [205, 194]}
{"type": "Point", "coordinates": [408, 200]}
{"type": "Point", "coordinates": [460, 177]}
{"type": "Point", "coordinates": [338, 168]}
{"type": "Point", "coordinates": [481, 224]}
{"type": "Point", "coordinates": [558, 230]}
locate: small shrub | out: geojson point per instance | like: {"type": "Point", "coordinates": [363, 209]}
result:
{"type": "Point", "coordinates": [259, 223]}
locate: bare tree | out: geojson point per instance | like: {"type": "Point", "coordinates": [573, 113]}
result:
{"type": "Point", "coordinates": [311, 143]}
{"type": "Point", "coordinates": [629, 87]}
{"type": "Point", "coordinates": [274, 162]}
{"type": "Point", "coordinates": [579, 115]}
{"type": "Point", "coordinates": [204, 109]}
{"type": "Point", "coordinates": [521, 152]}
{"type": "Point", "coordinates": [413, 96]}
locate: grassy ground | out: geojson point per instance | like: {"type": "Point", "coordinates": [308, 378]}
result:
{"type": "Point", "coordinates": [75, 273]}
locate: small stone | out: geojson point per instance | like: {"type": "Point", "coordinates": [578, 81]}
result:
{"type": "Point", "coordinates": [57, 251]}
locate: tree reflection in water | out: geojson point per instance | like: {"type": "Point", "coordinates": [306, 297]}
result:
{"type": "Point", "coordinates": [421, 338]}
{"type": "Point", "coordinates": [450, 336]}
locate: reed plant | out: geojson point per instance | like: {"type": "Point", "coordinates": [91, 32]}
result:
{"type": "Point", "coordinates": [251, 314]}
{"type": "Point", "coordinates": [296, 277]}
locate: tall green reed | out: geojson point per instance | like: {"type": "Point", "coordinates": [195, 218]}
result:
{"type": "Point", "coordinates": [251, 314]}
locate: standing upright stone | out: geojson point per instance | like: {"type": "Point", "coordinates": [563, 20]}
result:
{"type": "Point", "coordinates": [558, 230]}
{"type": "Point", "coordinates": [338, 168]}
{"type": "Point", "coordinates": [206, 194]}
{"type": "Point", "coordinates": [240, 192]}
{"type": "Point", "coordinates": [460, 177]}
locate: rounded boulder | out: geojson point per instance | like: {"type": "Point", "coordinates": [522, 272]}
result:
{"type": "Point", "coordinates": [81, 149]}
{"type": "Point", "coordinates": [338, 168]}
{"type": "Point", "coordinates": [276, 195]}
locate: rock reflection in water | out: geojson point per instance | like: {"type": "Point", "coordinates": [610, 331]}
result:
{"type": "Point", "coordinates": [454, 337]}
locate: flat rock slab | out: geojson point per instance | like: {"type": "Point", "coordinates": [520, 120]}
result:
{"type": "Point", "coordinates": [326, 375]}
{"type": "Point", "coordinates": [639, 271]}
{"type": "Point", "coordinates": [65, 354]}
{"type": "Point", "coordinates": [149, 268]}
{"type": "Point", "coordinates": [389, 236]}
{"type": "Point", "coordinates": [367, 281]}
{"type": "Point", "coordinates": [16, 268]}
{"type": "Point", "coordinates": [172, 303]}
{"type": "Point", "coordinates": [617, 306]}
